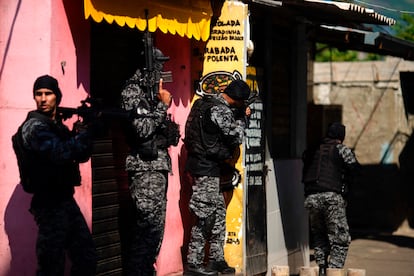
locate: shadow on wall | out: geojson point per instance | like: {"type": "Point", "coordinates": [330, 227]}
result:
{"type": "Point", "coordinates": [294, 216]}
{"type": "Point", "coordinates": [383, 196]}
{"type": "Point", "coordinates": [406, 159]}
{"type": "Point", "coordinates": [22, 232]}
{"type": "Point", "coordinates": [80, 30]}
{"type": "Point", "coordinates": [376, 201]}
{"type": "Point", "coordinates": [188, 220]}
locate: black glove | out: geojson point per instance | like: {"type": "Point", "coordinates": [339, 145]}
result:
{"type": "Point", "coordinates": [229, 177]}
{"type": "Point", "coordinates": [79, 127]}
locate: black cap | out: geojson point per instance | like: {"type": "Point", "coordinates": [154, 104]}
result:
{"type": "Point", "coordinates": [238, 90]}
{"type": "Point", "coordinates": [48, 82]}
{"type": "Point", "coordinates": [336, 130]}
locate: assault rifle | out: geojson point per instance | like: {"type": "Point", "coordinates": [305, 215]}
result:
{"type": "Point", "coordinates": [154, 61]}
{"type": "Point", "coordinates": [241, 111]}
{"type": "Point", "coordinates": [96, 116]}
{"type": "Point", "coordinates": [253, 97]}
{"type": "Point", "coordinates": [90, 110]}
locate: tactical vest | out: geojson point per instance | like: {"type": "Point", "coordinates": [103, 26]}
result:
{"type": "Point", "coordinates": [166, 134]}
{"type": "Point", "coordinates": [39, 174]}
{"type": "Point", "coordinates": [202, 136]}
{"type": "Point", "coordinates": [323, 171]}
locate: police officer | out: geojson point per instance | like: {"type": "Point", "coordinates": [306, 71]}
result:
{"type": "Point", "coordinates": [48, 157]}
{"type": "Point", "coordinates": [213, 134]}
{"type": "Point", "coordinates": [328, 169]}
{"type": "Point", "coordinates": [148, 165]}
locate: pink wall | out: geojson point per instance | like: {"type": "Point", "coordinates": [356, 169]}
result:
{"type": "Point", "coordinates": [178, 49]}
{"type": "Point", "coordinates": [35, 36]}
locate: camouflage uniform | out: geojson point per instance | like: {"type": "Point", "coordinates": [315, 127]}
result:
{"type": "Point", "coordinates": [327, 207]}
{"type": "Point", "coordinates": [329, 228]}
{"type": "Point", "coordinates": [207, 202]}
{"type": "Point", "coordinates": [148, 178]}
{"type": "Point", "coordinates": [64, 227]}
{"type": "Point", "coordinates": [61, 225]}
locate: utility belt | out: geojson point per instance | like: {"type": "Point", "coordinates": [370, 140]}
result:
{"type": "Point", "coordinates": [313, 188]}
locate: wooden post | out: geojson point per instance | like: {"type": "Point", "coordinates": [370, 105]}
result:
{"type": "Point", "coordinates": [335, 272]}
{"type": "Point", "coordinates": [356, 272]}
{"type": "Point", "coordinates": [279, 270]}
{"type": "Point", "coordinates": [309, 271]}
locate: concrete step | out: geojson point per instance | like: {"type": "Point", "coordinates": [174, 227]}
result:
{"type": "Point", "coordinates": [314, 271]}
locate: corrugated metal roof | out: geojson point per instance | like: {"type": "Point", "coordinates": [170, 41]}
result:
{"type": "Point", "coordinates": [345, 26]}
{"type": "Point", "coordinates": [359, 9]}
{"type": "Point", "coordinates": [370, 42]}
{"type": "Point", "coordinates": [336, 13]}
{"type": "Point", "coordinates": [270, 3]}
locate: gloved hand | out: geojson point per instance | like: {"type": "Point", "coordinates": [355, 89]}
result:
{"type": "Point", "coordinates": [88, 129]}
{"type": "Point", "coordinates": [79, 127]}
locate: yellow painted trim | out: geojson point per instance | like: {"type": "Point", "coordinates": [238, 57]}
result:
{"type": "Point", "coordinates": [160, 18]}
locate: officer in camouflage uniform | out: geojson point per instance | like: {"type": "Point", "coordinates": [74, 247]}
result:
{"type": "Point", "coordinates": [328, 169]}
{"type": "Point", "coordinates": [48, 157]}
{"type": "Point", "coordinates": [148, 165]}
{"type": "Point", "coordinates": [213, 134]}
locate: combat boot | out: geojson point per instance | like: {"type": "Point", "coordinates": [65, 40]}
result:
{"type": "Point", "coordinates": [222, 267]}
{"type": "Point", "coordinates": [195, 270]}
{"type": "Point", "coordinates": [322, 270]}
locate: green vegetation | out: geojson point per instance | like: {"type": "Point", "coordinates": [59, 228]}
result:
{"type": "Point", "coordinates": [404, 28]}
{"type": "Point", "coordinates": [325, 53]}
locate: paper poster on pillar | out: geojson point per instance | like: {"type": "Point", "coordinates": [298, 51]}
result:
{"type": "Point", "coordinates": [225, 60]}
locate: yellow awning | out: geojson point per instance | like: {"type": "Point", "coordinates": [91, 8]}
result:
{"type": "Point", "coordinates": [189, 18]}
